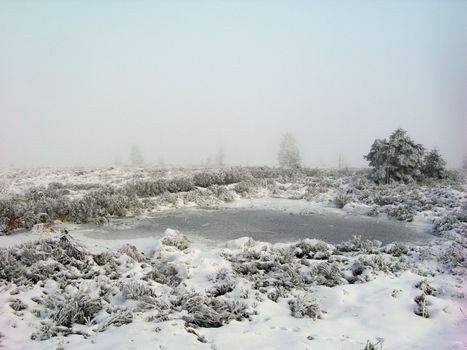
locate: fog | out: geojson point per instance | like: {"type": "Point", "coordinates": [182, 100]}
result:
{"type": "Point", "coordinates": [82, 82]}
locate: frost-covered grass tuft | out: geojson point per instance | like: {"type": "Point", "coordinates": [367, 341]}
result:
{"type": "Point", "coordinates": [17, 305]}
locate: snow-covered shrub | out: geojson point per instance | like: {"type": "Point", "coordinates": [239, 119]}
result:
{"type": "Point", "coordinates": [164, 274]}
{"type": "Point", "coordinates": [378, 262]}
{"type": "Point", "coordinates": [66, 310]}
{"type": "Point", "coordinates": [221, 289]}
{"type": "Point", "coordinates": [445, 223]}
{"type": "Point", "coordinates": [305, 306]}
{"type": "Point", "coordinates": [182, 184]}
{"type": "Point", "coordinates": [103, 258]}
{"type": "Point", "coordinates": [222, 193]}
{"type": "Point", "coordinates": [421, 309]}
{"type": "Point", "coordinates": [401, 213]}
{"type": "Point", "coordinates": [326, 274]}
{"type": "Point", "coordinates": [206, 179]}
{"type": "Point", "coordinates": [132, 252]}
{"type": "Point", "coordinates": [34, 261]}
{"type": "Point", "coordinates": [212, 312]}
{"type": "Point", "coordinates": [357, 244]}
{"type": "Point", "coordinates": [453, 256]}
{"type": "Point", "coordinates": [175, 239]}
{"type": "Point", "coordinates": [248, 187]}
{"type": "Point", "coordinates": [397, 249]}
{"type": "Point", "coordinates": [341, 199]}
{"type": "Point", "coordinates": [136, 291]}
{"type": "Point", "coordinates": [313, 249]}
{"type": "Point", "coordinates": [147, 188]}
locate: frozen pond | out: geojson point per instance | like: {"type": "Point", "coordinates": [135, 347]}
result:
{"type": "Point", "coordinates": [268, 225]}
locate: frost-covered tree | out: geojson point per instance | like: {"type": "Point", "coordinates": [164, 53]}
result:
{"type": "Point", "coordinates": [220, 158]}
{"type": "Point", "coordinates": [434, 165]}
{"type": "Point", "coordinates": [136, 157]}
{"type": "Point", "coordinates": [289, 154]}
{"type": "Point", "coordinates": [396, 159]}
{"type": "Point", "coordinates": [464, 164]}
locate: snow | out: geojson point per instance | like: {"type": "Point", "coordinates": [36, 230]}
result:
{"type": "Point", "coordinates": [375, 303]}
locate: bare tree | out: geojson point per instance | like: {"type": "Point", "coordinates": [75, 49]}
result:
{"type": "Point", "coordinates": [136, 157]}
{"type": "Point", "coordinates": [289, 154]}
{"type": "Point", "coordinates": [220, 157]}
{"type": "Point", "coordinates": [161, 162]}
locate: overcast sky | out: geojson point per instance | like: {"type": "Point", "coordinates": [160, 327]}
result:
{"type": "Point", "coordinates": [83, 81]}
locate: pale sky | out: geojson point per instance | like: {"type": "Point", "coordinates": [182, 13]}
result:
{"type": "Point", "coordinates": [82, 81]}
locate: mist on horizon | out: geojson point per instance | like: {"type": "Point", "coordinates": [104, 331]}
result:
{"type": "Point", "coordinates": [82, 83]}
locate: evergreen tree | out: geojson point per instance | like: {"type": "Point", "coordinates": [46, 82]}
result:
{"type": "Point", "coordinates": [434, 165]}
{"type": "Point", "coordinates": [398, 159]}
{"type": "Point", "coordinates": [289, 154]}
{"type": "Point", "coordinates": [136, 158]}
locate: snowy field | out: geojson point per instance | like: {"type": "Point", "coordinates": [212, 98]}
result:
{"type": "Point", "coordinates": [62, 286]}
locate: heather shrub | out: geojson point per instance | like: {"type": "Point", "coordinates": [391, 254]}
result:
{"type": "Point", "coordinates": [305, 306]}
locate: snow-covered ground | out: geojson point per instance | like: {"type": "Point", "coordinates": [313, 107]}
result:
{"type": "Point", "coordinates": [74, 291]}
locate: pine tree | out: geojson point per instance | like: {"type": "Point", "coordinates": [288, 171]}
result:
{"type": "Point", "coordinates": [434, 165]}
{"type": "Point", "coordinates": [398, 159]}
{"type": "Point", "coordinates": [289, 154]}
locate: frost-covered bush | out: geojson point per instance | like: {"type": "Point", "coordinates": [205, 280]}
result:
{"type": "Point", "coordinates": [305, 306]}
{"type": "Point", "coordinates": [211, 312]}
{"type": "Point", "coordinates": [327, 274]}
{"type": "Point", "coordinates": [164, 274]}
{"type": "Point", "coordinates": [34, 261]}
{"type": "Point", "coordinates": [206, 179]}
{"type": "Point", "coordinates": [313, 249]}
{"type": "Point", "coordinates": [132, 252]}
{"type": "Point", "coordinates": [397, 249]}
{"type": "Point", "coordinates": [401, 213]}
{"type": "Point", "coordinates": [453, 256]}
{"type": "Point", "coordinates": [248, 187]}
{"type": "Point", "coordinates": [103, 258]}
{"type": "Point", "coordinates": [175, 239]}
{"type": "Point", "coordinates": [66, 310]}
{"type": "Point", "coordinates": [378, 262]}
{"type": "Point", "coordinates": [138, 291]}
{"type": "Point", "coordinates": [222, 193]}
{"type": "Point", "coordinates": [341, 199]}
{"type": "Point", "coordinates": [357, 244]}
